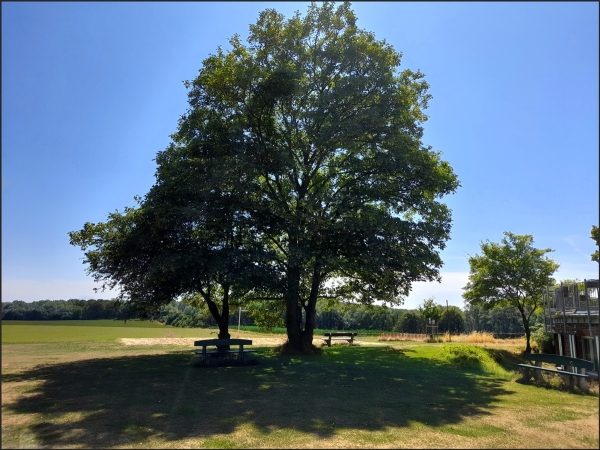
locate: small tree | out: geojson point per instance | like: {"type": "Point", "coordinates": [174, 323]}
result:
{"type": "Point", "coordinates": [452, 320]}
{"type": "Point", "coordinates": [510, 273]}
{"type": "Point", "coordinates": [430, 310]}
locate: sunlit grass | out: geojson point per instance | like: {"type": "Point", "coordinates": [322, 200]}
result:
{"type": "Point", "coordinates": [16, 331]}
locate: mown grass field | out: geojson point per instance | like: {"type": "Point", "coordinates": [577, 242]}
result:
{"type": "Point", "coordinates": [75, 385]}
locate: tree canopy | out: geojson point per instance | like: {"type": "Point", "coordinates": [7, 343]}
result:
{"type": "Point", "coordinates": [297, 172]}
{"type": "Point", "coordinates": [452, 320]}
{"type": "Point", "coordinates": [430, 310]}
{"type": "Point", "coordinates": [511, 272]}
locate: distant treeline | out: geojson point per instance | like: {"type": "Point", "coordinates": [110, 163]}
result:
{"type": "Point", "coordinates": [72, 309]}
{"type": "Point", "coordinates": [340, 316]}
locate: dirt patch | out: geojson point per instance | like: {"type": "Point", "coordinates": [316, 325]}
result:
{"type": "Point", "coordinates": [186, 342]}
{"type": "Point", "coordinates": [189, 342]}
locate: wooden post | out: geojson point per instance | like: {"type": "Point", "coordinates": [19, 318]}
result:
{"type": "Point", "coordinates": [587, 302]}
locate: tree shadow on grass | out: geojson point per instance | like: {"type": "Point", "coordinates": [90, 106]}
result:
{"type": "Point", "coordinates": [122, 400]}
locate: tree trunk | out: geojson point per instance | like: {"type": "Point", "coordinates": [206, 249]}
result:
{"type": "Point", "coordinates": [311, 307]}
{"type": "Point", "coordinates": [224, 322]}
{"type": "Point", "coordinates": [292, 308]}
{"type": "Point", "coordinates": [299, 340]}
{"type": "Point", "coordinates": [222, 319]}
{"type": "Point", "coordinates": [528, 338]}
{"type": "Point", "coordinates": [526, 327]}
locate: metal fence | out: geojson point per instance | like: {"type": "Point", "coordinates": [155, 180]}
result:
{"type": "Point", "coordinates": [581, 296]}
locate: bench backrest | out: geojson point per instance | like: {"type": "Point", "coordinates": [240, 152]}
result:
{"type": "Point", "coordinates": [223, 342]}
{"type": "Point", "coordinates": [340, 334]}
{"type": "Point", "coordinates": [559, 360]}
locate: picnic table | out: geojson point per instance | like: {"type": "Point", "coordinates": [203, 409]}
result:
{"type": "Point", "coordinates": [222, 345]}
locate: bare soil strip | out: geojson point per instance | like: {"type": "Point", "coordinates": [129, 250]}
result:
{"type": "Point", "coordinates": [189, 342]}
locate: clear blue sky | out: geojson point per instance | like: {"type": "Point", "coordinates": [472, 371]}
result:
{"type": "Point", "coordinates": [91, 91]}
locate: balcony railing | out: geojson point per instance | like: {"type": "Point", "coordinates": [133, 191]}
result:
{"type": "Point", "coordinates": [578, 299]}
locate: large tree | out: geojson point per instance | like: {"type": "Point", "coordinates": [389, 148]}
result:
{"type": "Point", "coordinates": [333, 136]}
{"type": "Point", "coordinates": [512, 272]}
{"type": "Point", "coordinates": [325, 164]}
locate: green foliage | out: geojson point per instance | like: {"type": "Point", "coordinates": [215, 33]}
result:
{"type": "Point", "coordinates": [544, 342]}
{"type": "Point", "coordinates": [410, 322]}
{"type": "Point", "coordinates": [299, 161]}
{"type": "Point", "coordinates": [464, 355]}
{"type": "Point", "coordinates": [193, 312]}
{"type": "Point", "coordinates": [267, 315]}
{"type": "Point", "coordinates": [595, 235]}
{"type": "Point", "coordinates": [326, 133]}
{"type": "Point", "coordinates": [72, 309]}
{"type": "Point", "coordinates": [500, 320]}
{"type": "Point", "coordinates": [430, 310]}
{"type": "Point", "coordinates": [511, 273]}
{"type": "Point", "coordinates": [452, 320]}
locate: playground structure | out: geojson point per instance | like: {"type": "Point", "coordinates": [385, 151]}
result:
{"type": "Point", "coordinates": [571, 314]}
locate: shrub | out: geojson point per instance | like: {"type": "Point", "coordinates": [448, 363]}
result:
{"type": "Point", "coordinates": [542, 341]}
{"type": "Point", "coordinates": [473, 357]}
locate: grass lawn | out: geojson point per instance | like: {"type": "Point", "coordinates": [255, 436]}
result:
{"type": "Point", "coordinates": [73, 384]}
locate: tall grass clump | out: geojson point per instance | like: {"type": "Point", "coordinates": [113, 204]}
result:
{"type": "Point", "coordinates": [471, 357]}
{"type": "Point", "coordinates": [476, 337]}
{"type": "Point", "coordinates": [403, 337]}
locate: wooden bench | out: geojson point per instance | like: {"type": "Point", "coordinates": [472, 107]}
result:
{"type": "Point", "coordinates": [578, 368]}
{"type": "Point", "coordinates": [221, 351]}
{"type": "Point", "coordinates": [339, 337]}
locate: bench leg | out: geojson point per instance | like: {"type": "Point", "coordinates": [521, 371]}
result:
{"type": "Point", "coordinates": [525, 374]}
{"type": "Point", "coordinates": [583, 385]}
{"type": "Point", "coordinates": [537, 374]}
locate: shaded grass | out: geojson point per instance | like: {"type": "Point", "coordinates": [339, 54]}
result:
{"type": "Point", "coordinates": [350, 388]}
{"type": "Point", "coordinates": [97, 394]}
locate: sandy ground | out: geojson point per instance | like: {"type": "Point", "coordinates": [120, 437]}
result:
{"type": "Point", "coordinates": [189, 342]}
